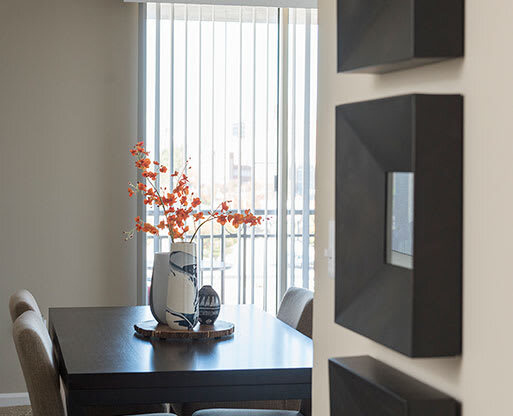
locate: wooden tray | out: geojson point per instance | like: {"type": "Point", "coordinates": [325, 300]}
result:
{"type": "Point", "coordinates": [153, 329]}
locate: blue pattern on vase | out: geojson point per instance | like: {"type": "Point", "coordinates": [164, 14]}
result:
{"type": "Point", "coordinates": [183, 265]}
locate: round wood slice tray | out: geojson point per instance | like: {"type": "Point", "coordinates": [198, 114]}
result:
{"type": "Point", "coordinates": [153, 329]}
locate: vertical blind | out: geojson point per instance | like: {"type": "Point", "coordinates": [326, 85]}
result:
{"type": "Point", "coordinates": [211, 97]}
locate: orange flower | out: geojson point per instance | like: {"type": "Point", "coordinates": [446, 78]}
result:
{"type": "Point", "coordinates": [151, 175]}
{"type": "Point", "coordinates": [195, 202]}
{"type": "Point", "coordinates": [138, 150]}
{"type": "Point", "coordinates": [148, 228]}
{"type": "Point", "coordinates": [139, 146]}
{"type": "Point", "coordinates": [169, 199]}
{"type": "Point", "coordinates": [178, 204]}
{"type": "Point", "coordinates": [143, 163]}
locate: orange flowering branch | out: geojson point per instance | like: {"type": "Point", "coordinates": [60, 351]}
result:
{"type": "Point", "coordinates": [178, 205]}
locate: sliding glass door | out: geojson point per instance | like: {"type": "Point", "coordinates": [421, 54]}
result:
{"type": "Point", "coordinates": [211, 99]}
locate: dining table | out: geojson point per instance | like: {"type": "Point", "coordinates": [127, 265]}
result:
{"type": "Point", "coordinates": [102, 361]}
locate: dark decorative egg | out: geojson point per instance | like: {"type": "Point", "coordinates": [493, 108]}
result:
{"type": "Point", "coordinates": [209, 305]}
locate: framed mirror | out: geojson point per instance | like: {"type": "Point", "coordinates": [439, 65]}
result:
{"type": "Point", "coordinates": [399, 222]}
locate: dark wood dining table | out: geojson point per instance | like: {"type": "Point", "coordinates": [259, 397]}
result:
{"type": "Point", "coordinates": [103, 362]}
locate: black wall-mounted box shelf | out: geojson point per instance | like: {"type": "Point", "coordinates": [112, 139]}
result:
{"type": "Point", "coordinates": [363, 386]}
{"type": "Point", "coordinates": [379, 36]}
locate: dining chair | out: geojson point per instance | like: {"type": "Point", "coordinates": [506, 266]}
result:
{"type": "Point", "coordinates": [35, 353]}
{"type": "Point", "coordinates": [22, 301]}
{"type": "Point", "coordinates": [296, 310]}
{"type": "Point", "coordinates": [245, 412]}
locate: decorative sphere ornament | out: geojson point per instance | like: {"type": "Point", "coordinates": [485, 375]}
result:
{"type": "Point", "coordinates": [209, 305]}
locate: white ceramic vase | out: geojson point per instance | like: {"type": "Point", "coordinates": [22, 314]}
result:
{"type": "Point", "coordinates": [174, 290]}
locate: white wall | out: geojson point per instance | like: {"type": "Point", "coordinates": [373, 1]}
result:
{"type": "Point", "coordinates": [68, 114]}
{"type": "Point", "coordinates": [481, 378]}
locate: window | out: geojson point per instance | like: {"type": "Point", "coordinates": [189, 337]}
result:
{"type": "Point", "coordinates": [211, 93]}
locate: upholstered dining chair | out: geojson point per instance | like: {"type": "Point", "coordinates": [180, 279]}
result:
{"type": "Point", "coordinates": [246, 412]}
{"type": "Point", "coordinates": [296, 310]}
{"type": "Point", "coordinates": [22, 301]}
{"type": "Point", "coordinates": [35, 352]}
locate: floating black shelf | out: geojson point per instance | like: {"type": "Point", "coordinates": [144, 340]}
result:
{"type": "Point", "coordinates": [415, 310]}
{"type": "Point", "coordinates": [378, 36]}
{"type": "Point", "coordinates": [363, 386]}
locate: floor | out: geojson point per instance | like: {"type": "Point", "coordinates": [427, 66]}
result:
{"type": "Point", "coordinates": [15, 411]}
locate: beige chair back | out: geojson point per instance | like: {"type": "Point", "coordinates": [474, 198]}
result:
{"type": "Point", "coordinates": [35, 353]}
{"type": "Point", "coordinates": [296, 310]}
{"type": "Point", "coordinates": [22, 301]}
